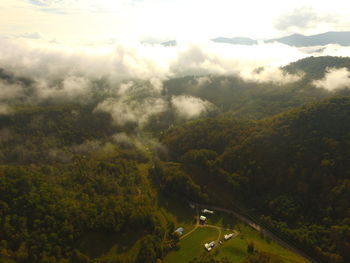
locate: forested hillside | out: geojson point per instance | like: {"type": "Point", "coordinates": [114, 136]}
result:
{"type": "Point", "coordinates": [51, 133]}
{"type": "Point", "coordinates": [315, 67]}
{"type": "Point", "coordinates": [254, 100]}
{"type": "Point", "coordinates": [291, 169]}
{"type": "Point", "coordinates": [91, 180]}
{"type": "Point", "coordinates": [65, 182]}
{"type": "Point", "coordinates": [150, 131]}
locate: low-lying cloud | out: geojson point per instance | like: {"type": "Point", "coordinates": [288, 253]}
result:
{"type": "Point", "coordinates": [4, 109]}
{"type": "Point", "coordinates": [130, 76]}
{"type": "Point", "coordinates": [126, 79]}
{"type": "Point", "coordinates": [334, 79]}
{"type": "Point", "coordinates": [9, 90]}
{"type": "Point", "coordinates": [38, 59]}
{"type": "Point", "coordinates": [188, 107]}
{"type": "Point", "coordinates": [302, 19]}
{"type": "Point", "coordinates": [72, 88]}
{"type": "Point", "coordinates": [132, 112]}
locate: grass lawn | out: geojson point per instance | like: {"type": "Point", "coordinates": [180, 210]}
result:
{"type": "Point", "coordinates": [192, 246]}
{"type": "Point", "coordinates": [236, 248]}
{"type": "Point", "coordinates": [179, 213]}
{"type": "Point", "coordinates": [222, 219]}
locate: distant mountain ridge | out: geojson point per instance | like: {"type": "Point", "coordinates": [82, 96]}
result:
{"type": "Point", "coordinates": [170, 43]}
{"type": "Point", "coordinates": [236, 40]}
{"type": "Point", "coordinates": [296, 40]}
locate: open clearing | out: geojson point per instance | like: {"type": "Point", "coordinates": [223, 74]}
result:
{"type": "Point", "coordinates": [234, 249]}
{"type": "Point", "coordinates": [192, 245]}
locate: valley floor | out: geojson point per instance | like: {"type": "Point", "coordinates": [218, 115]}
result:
{"type": "Point", "coordinates": [220, 223]}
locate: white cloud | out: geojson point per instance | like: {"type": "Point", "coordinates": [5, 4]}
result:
{"type": "Point", "coordinates": [10, 91]}
{"type": "Point", "coordinates": [134, 73]}
{"type": "Point", "coordinates": [124, 139]}
{"type": "Point", "coordinates": [203, 81]}
{"type": "Point", "coordinates": [32, 35]}
{"type": "Point", "coordinates": [334, 79]}
{"type": "Point", "coordinates": [243, 61]}
{"type": "Point", "coordinates": [72, 88]}
{"type": "Point", "coordinates": [304, 18]}
{"type": "Point", "coordinates": [4, 109]}
{"type": "Point", "coordinates": [332, 50]}
{"type": "Point", "coordinates": [124, 112]}
{"type": "Point", "coordinates": [40, 59]}
{"type": "Point", "coordinates": [188, 107]}
{"type": "Point", "coordinates": [269, 74]}
{"type": "Point", "coordinates": [125, 87]}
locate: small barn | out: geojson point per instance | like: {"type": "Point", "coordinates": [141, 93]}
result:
{"type": "Point", "coordinates": [202, 219]}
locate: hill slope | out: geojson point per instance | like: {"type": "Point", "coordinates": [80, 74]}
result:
{"type": "Point", "coordinates": [293, 167]}
{"type": "Point", "coordinates": [315, 67]}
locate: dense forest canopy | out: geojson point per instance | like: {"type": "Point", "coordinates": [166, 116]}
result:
{"type": "Point", "coordinates": [292, 169]}
{"type": "Point", "coordinates": [315, 67]}
{"type": "Point", "coordinates": [76, 171]}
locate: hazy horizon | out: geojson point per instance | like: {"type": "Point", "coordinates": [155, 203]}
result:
{"type": "Point", "coordinates": [65, 46]}
{"type": "Point", "coordinates": [93, 20]}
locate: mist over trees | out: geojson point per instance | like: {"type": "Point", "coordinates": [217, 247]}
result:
{"type": "Point", "coordinates": [84, 157]}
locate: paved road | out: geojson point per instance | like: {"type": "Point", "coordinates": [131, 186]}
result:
{"type": "Point", "coordinates": [259, 228]}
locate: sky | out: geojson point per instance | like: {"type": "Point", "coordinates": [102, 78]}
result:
{"type": "Point", "coordinates": [160, 20]}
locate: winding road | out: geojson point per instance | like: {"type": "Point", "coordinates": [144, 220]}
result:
{"type": "Point", "coordinates": [198, 225]}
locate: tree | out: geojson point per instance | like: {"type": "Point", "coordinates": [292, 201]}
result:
{"type": "Point", "coordinates": [250, 248]}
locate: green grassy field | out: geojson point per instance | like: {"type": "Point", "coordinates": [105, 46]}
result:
{"type": "Point", "coordinates": [181, 214]}
{"type": "Point", "coordinates": [192, 246]}
{"type": "Point", "coordinates": [234, 249]}
{"type": "Point", "coordinates": [222, 220]}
